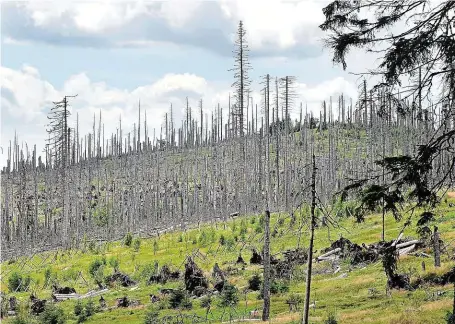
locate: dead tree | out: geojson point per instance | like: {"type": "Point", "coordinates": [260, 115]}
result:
{"type": "Point", "coordinates": [310, 251]}
{"type": "Point", "coordinates": [242, 82]}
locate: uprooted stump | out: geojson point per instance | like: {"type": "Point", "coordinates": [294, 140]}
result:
{"type": "Point", "coordinates": [63, 290]}
{"type": "Point", "coordinates": [217, 272]}
{"type": "Point", "coordinates": [38, 305]}
{"type": "Point", "coordinates": [297, 256]}
{"type": "Point", "coordinates": [398, 281]}
{"type": "Point", "coordinates": [435, 279]}
{"type": "Point", "coordinates": [165, 274]}
{"type": "Point", "coordinates": [166, 291]}
{"type": "Point", "coordinates": [102, 302]}
{"type": "Point", "coordinates": [12, 303]}
{"type": "Point", "coordinates": [240, 260]}
{"type": "Point", "coordinates": [219, 285]}
{"type": "Point", "coordinates": [345, 249]}
{"type": "Point", "coordinates": [121, 278]}
{"type": "Point", "coordinates": [194, 276]}
{"type": "Point", "coordinates": [199, 291]}
{"type": "Point", "coordinates": [256, 258]}
{"type": "Point", "coordinates": [283, 268]}
{"type": "Point", "coordinates": [123, 302]}
{"type": "Point", "coordinates": [154, 298]}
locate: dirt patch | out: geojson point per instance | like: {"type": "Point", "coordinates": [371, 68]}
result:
{"type": "Point", "coordinates": [451, 194]}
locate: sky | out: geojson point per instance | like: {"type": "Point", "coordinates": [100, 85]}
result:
{"type": "Point", "coordinates": [113, 54]}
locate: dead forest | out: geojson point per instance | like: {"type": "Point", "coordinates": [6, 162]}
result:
{"type": "Point", "coordinates": [98, 187]}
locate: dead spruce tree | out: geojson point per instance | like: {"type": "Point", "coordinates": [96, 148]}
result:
{"type": "Point", "coordinates": [59, 142]}
{"type": "Point", "coordinates": [242, 81]}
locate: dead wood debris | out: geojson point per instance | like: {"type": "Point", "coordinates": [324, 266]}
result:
{"type": "Point", "coordinates": [164, 275]}
{"type": "Point", "coordinates": [121, 278]}
{"type": "Point", "coordinates": [38, 305]}
{"type": "Point", "coordinates": [345, 249]}
{"type": "Point", "coordinates": [194, 276]}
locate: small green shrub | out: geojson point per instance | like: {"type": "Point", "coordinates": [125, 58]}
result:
{"type": "Point", "coordinates": [18, 283]}
{"type": "Point", "coordinates": [279, 287]}
{"type": "Point", "coordinates": [155, 247]}
{"type": "Point", "coordinates": [52, 315]}
{"type": "Point", "coordinates": [294, 299]}
{"type": "Point", "coordinates": [21, 320]}
{"type": "Point", "coordinates": [450, 318]}
{"type": "Point", "coordinates": [96, 271]}
{"type": "Point", "coordinates": [229, 243]}
{"type": "Point", "coordinates": [331, 319]}
{"type": "Point", "coordinates": [90, 308]}
{"type": "Point", "coordinates": [94, 266]}
{"type": "Point", "coordinates": [47, 276]}
{"type": "Point", "coordinates": [114, 263]}
{"type": "Point", "coordinates": [206, 302]}
{"type": "Point", "coordinates": [92, 247]}
{"type": "Point", "coordinates": [254, 283]}
{"type": "Point", "coordinates": [229, 296]}
{"type": "Point", "coordinates": [179, 299]}
{"type": "Point", "coordinates": [148, 270]}
{"type": "Point", "coordinates": [222, 239]}
{"type": "Point", "coordinates": [78, 308]}
{"type": "Point", "coordinates": [128, 239]}
{"type": "Point", "coordinates": [137, 244]}
{"type": "Point", "coordinates": [151, 317]}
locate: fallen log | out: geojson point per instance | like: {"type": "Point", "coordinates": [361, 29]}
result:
{"type": "Point", "coordinates": [93, 293]}
{"type": "Point", "coordinates": [406, 250]}
{"type": "Point", "coordinates": [60, 297]}
{"type": "Point", "coordinates": [405, 244]}
{"type": "Point", "coordinates": [420, 254]}
{"type": "Point", "coordinates": [399, 238]}
{"type": "Point", "coordinates": [329, 253]}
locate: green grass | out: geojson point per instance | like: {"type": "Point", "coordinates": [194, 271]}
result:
{"type": "Point", "coordinates": [348, 297]}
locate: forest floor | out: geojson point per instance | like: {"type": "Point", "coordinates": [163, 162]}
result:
{"type": "Point", "coordinates": [355, 294]}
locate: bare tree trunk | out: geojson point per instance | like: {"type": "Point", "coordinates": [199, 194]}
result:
{"type": "Point", "coordinates": [437, 253]}
{"type": "Point", "coordinates": [310, 252]}
{"type": "Point", "coordinates": [266, 292]}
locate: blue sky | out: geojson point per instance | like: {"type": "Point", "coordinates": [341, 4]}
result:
{"type": "Point", "coordinates": [115, 53]}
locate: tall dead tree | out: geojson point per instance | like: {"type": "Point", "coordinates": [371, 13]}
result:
{"type": "Point", "coordinates": [266, 286]}
{"type": "Point", "coordinates": [59, 147]}
{"type": "Point", "coordinates": [310, 249]}
{"type": "Point", "coordinates": [58, 132]}
{"type": "Point", "coordinates": [242, 81]}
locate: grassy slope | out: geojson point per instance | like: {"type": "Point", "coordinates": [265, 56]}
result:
{"type": "Point", "coordinates": [348, 297]}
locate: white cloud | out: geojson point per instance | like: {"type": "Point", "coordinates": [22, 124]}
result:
{"type": "Point", "coordinates": [23, 92]}
{"type": "Point", "coordinates": [275, 24]}
{"type": "Point", "coordinates": [278, 22]}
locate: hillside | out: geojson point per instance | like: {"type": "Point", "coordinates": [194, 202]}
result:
{"type": "Point", "coordinates": [355, 293]}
